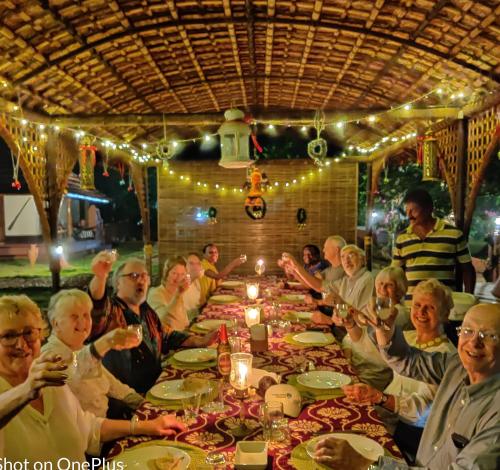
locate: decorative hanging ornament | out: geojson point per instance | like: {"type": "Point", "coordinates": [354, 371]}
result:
{"type": "Point", "coordinates": [317, 148]}
{"type": "Point", "coordinates": [430, 167]}
{"type": "Point", "coordinates": [165, 150]}
{"type": "Point", "coordinates": [87, 163]}
{"type": "Point", "coordinates": [121, 170]}
{"type": "Point", "coordinates": [16, 184]}
{"type": "Point", "coordinates": [301, 218]}
{"type": "Point", "coordinates": [386, 174]}
{"type": "Point", "coordinates": [234, 144]}
{"type": "Point", "coordinates": [212, 215]}
{"type": "Point", "coordinates": [255, 205]}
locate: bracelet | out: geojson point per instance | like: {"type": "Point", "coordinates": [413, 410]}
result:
{"type": "Point", "coordinates": [133, 424]}
{"type": "Point", "coordinates": [94, 352]}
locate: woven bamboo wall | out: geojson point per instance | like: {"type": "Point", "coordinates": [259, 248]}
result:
{"type": "Point", "coordinates": [329, 197]}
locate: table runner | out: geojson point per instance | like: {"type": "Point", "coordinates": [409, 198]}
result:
{"type": "Point", "coordinates": [213, 431]}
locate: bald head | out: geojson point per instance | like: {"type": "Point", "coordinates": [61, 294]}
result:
{"type": "Point", "coordinates": [478, 344]}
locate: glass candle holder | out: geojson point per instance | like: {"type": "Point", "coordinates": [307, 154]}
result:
{"type": "Point", "coordinates": [252, 316]}
{"type": "Point", "coordinates": [241, 370]}
{"type": "Point", "coordinates": [252, 290]}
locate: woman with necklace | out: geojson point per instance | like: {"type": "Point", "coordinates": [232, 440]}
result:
{"type": "Point", "coordinates": [408, 398]}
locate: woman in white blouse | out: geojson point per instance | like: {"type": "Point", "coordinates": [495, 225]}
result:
{"type": "Point", "coordinates": [40, 418]}
{"type": "Point", "coordinates": [410, 398]}
{"type": "Point", "coordinates": [69, 315]}
{"type": "Point", "coordinates": [167, 299]}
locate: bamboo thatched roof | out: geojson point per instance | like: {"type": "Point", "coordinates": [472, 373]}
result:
{"type": "Point", "coordinates": [149, 57]}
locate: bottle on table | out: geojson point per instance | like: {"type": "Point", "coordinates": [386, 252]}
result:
{"type": "Point", "coordinates": [223, 353]}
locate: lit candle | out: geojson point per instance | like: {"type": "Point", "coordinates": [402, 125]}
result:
{"type": "Point", "coordinates": [252, 291]}
{"type": "Point", "coordinates": [252, 316]}
{"type": "Point", "coordinates": [241, 367]}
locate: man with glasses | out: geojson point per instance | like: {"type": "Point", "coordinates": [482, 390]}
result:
{"type": "Point", "coordinates": [463, 428]}
{"type": "Point", "coordinates": [141, 366]}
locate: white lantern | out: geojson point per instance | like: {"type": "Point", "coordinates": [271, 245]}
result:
{"type": "Point", "coordinates": [234, 140]}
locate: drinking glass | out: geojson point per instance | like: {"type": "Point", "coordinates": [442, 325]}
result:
{"type": "Point", "coordinates": [72, 366]}
{"type": "Point", "coordinates": [236, 344]}
{"type": "Point", "coordinates": [270, 413]}
{"type": "Point", "coordinates": [137, 329]}
{"type": "Point", "coordinates": [383, 307]}
{"type": "Point", "coordinates": [243, 258]}
{"type": "Point", "coordinates": [216, 460]}
{"type": "Point", "coordinates": [342, 310]}
{"type": "Point", "coordinates": [215, 397]}
{"type": "Point", "coordinates": [191, 405]}
{"type": "Point", "coordinates": [260, 268]}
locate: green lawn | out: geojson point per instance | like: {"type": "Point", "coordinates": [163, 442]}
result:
{"type": "Point", "coordinates": [22, 268]}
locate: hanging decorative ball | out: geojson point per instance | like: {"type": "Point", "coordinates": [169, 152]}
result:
{"type": "Point", "coordinates": [317, 149]}
{"type": "Point", "coordinates": [212, 215]}
{"type": "Point", "coordinates": [301, 218]}
{"type": "Point", "coordinates": [165, 150]}
{"type": "Point", "coordinates": [16, 184]}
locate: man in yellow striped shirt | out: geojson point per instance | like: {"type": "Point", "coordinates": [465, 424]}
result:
{"type": "Point", "coordinates": [431, 247]}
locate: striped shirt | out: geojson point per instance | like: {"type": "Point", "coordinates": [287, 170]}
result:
{"type": "Point", "coordinates": [436, 256]}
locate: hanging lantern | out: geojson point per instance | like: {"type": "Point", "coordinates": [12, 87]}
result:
{"type": "Point", "coordinates": [87, 164]}
{"type": "Point", "coordinates": [234, 140]}
{"type": "Point", "coordinates": [430, 168]}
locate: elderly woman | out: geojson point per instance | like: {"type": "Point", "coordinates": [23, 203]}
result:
{"type": "Point", "coordinates": [70, 318]}
{"type": "Point", "coordinates": [167, 299]}
{"type": "Point", "coordinates": [35, 403]}
{"type": "Point", "coordinates": [409, 398]}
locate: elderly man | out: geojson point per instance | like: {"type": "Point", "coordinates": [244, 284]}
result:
{"type": "Point", "coordinates": [210, 258]}
{"type": "Point", "coordinates": [137, 367]}
{"type": "Point", "coordinates": [463, 428]}
{"type": "Point", "coordinates": [430, 247]}
{"type": "Point", "coordinates": [332, 273]}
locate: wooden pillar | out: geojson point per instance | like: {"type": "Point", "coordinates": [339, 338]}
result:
{"type": "Point", "coordinates": [146, 224]}
{"type": "Point", "coordinates": [461, 183]}
{"type": "Point", "coordinates": [69, 217]}
{"type": "Point", "coordinates": [461, 187]}
{"type": "Point", "coordinates": [368, 240]}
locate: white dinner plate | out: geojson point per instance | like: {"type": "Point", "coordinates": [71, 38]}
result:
{"type": "Point", "coordinates": [232, 284]}
{"type": "Point", "coordinates": [172, 390]}
{"type": "Point", "coordinates": [313, 337]}
{"type": "Point", "coordinates": [196, 355]}
{"type": "Point", "coordinates": [224, 299]}
{"type": "Point", "coordinates": [144, 457]}
{"type": "Point", "coordinates": [209, 325]}
{"type": "Point", "coordinates": [323, 379]}
{"type": "Point", "coordinates": [365, 446]}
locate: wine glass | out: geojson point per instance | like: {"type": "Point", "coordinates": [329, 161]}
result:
{"type": "Point", "coordinates": [260, 267]}
{"type": "Point", "coordinates": [342, 310]}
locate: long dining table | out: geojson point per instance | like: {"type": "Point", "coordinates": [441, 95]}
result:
{"type": "Point", "coordinates": [321, 414]}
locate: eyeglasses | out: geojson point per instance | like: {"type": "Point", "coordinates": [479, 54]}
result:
{"type": "Point", "coordinates": [135, 276]}
{"type": "Point", "coordinates": [486, 336]}
{"type": "Point", "coordinates": [30, 336]}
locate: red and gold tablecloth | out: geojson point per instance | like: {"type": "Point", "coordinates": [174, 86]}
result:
{"type": "Point", "coordinates": [213, 431]}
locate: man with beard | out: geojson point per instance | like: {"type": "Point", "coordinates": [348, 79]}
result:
{"type": "Point", "coordinates": [138, 367]}
{"type": "Point", "coordinates": [431, 247]}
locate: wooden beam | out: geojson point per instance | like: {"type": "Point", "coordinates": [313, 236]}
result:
{"type": "Point", "coordinates": [297, 117]}
{"type": "Point", "coordinates": [165, 22]}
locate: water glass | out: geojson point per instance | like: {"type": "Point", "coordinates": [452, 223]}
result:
{"type": "Point", "coordinates": [215, 397]}
{"type": "Point", "coordinates": [271, 415]}
{"type": "Point", "coordinates": [216, 460]}
{"type": "Point", "coordinates": [236, 344]}
{"type": "Point", "coordinates": [191, 405]}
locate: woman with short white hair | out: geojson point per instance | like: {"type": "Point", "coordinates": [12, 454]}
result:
{"type": "Point", "coordinates": [40, 418]}
{"type": "Point", "coordinates": [69, 315]}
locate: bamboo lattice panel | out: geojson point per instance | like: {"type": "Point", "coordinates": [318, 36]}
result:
{"type": "Point", "coordinates": [481, 129]}
{"type": "Point", "coordinates": [448, 149]}
{"type": "Point", "coordinates": [330, 199]}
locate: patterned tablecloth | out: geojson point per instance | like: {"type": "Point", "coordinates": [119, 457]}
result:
{"type": "Point", "coordinates": [213, 431]}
